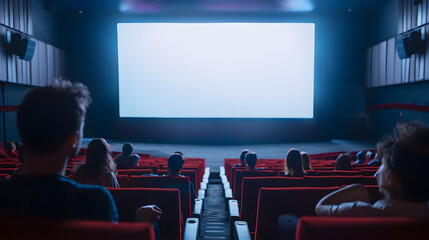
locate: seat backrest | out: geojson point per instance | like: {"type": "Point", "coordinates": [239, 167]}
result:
{"type": "Point", "coordinates": [250, 193]}
{"type": "Point", "coordinates": [274, 202]}
{"type": "Point", "coordinates": [30, 228]}
{"type": "Point", "coordinates": [190, 173]}
{"type": "Point", "coordinates": [128, 200]}
{"type": "Point", "coordinates": [328, 181]}
{"type": "Point", "coordinates": [336, 173]}
{"type": "Point", "coordinates": [374, 228]}
{"type": "Point", "coordinates": [134, 171]}
{"type": "Point", "coordinates": [239, 174]}
{"type": "Point", "coordinates": [122, 180]}
{"type": "Point", "coordinates": [181, 183]}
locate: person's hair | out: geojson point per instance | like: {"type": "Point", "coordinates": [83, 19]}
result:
{"type": "Point", "coordinates": [343, 162]}
{"type": "Point", "coordinates": [361, 157]}
{"type": "Point", "coordinates": [243, 155]}
{"type": "Point", "coordinates": [175, 163]}
{"type": "Point", "coordinates": [49, 115]}
{"type": "Point", "coordinates": [305, 161]}
{"type": "Point", "coordinates": [406, 153]}
{"type": "Point", "coordinates": [251, 159]}
{"type": "Point", "coordinates": [127, 148]}
{"type": "Point", "coordinates": [98, 159]}
{"type": "Point", "coordinates": [10, 146]}
{"type": "Point", "coordinates": [179, 152]}
{"type": "Point", "coordinates": [293, 163]}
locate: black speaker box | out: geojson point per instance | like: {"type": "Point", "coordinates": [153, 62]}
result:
{"type": "Point", "coordinates": [408, 44]}
{"type": "Point", "coordinates": [22, 46]}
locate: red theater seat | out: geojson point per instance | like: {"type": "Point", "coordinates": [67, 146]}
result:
{"type": "Point", "coordinates": [328, 181]}
{"type": "Point", "coordinates": [250, 193]}
{"type": "Point", "coordinates": [310, 228]}
{"type": "Point", "coordinates": [274, 202]}
{"type": "Point", "coordinates": [181, 183]}
{"type": "Point", "coordinates": [122, 180]}
{"type": "Point", "coordinates": [336, 173]}
{"type": "Point", "coordinates": [241, 173]}
{"type": "Point", "coordinates": [128, 200]}
{"type": "Point", "coordinates": [134, 171]}
{"type": "Point", "coordinates": [23, 228]}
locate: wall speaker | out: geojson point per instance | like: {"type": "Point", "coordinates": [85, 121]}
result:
{"type": "Point", "coordinates": [22, 46]}
{"type": "Point", "coordinates": [410, 43]}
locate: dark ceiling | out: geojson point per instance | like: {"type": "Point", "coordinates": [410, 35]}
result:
{"type": "Point", "coordinates": [136, 6]}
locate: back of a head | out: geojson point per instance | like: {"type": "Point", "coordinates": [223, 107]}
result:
{"type": "Point", "coordinates": [407, 155]}
{"type": "Point", "coordinates": [293, 163]}
{"type": "Point", "coordinates": [98, 158]}
{"type": "Point", "coordinates": [127, 148]}
{"type": "Point", "coordinates": [305, 161]}
{"type": "Point", "coordinates": [49, 115]}
{"type": "Point", "coordinates": [10, 146]}
{"type": "Point", "coordinates": [243, 155]}
{"type": "Point", "coordinates": [175, 163]}
{"type": "Point", "coordinates": [343, 162]}
{"type": "Point", "coordinates": [361, 157]}
{"type": "Point", "coordinates": [251, 159]}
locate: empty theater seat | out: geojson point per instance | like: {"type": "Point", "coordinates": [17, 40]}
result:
{"type": "Point", "coordinates": [239, 174]}
{"type": "Point", "coordinates": [328, 181]}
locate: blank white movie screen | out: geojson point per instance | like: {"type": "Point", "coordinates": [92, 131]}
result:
{"type": "Point", "coordinates": [216, 70]}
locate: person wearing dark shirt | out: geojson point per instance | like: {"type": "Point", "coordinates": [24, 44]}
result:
{"type": "Point", "coordinates": [50, 122]}
{"type": "Point", "coordinates": [175, 164]}
{"type": "Point", "coordinates": [242, 156]}
{"type": "Point", "coordinates": [127, 159]}
{"type": "Point", "coordinates": [360, 158]}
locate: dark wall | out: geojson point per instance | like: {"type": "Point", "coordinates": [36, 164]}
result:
{"type": "Point", "coordinates": [47, 27]}
{"type": "Point", "coordinates": [339, 82]}
{"type": "Point", "coordinates": [378, 123]}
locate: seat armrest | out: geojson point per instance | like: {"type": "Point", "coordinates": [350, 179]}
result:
{"type": "Point", "coordinates": [234, 214]}
{"type": "Point", "coordinates": [241, 231]}
{"type": "Point", "coordinates": [191, 229]}
{"type": "Point", "coordinates": [201, 194]}
{"type": "Point", "coordinates": [198, 208]}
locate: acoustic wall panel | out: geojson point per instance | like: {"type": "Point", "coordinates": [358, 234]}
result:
{"type": "Point", "coordinates": [43, 64]}
{"type": "Point", "coordinates": [2, 11]}
{"type": "Point", "coordinates": [34, 67]}
{"type": "Point", "coordinates": [382, 47]}
{"type": "Point", "coordinates": [29, 17]}
{"type": "Point", "coordinates": [412, 69]}
{"type": "Point", "coordinates": [51, 63]}
{"type": "Point", "coordinates": [374, 66]}
{"type": "Point", "coordinates": [15, 13]}
{"type": "Point", "coordinates": [390, 71]}
{"type": "Point", "coordinates": [19, 70]}
{"type": "Point", "coordinates": [3, 57]}
{"type": "Point", "coordinates": [58, 63]}
{"type": "Point", "coordinates": [398, 69]}
{"type": "Point", "coordinates": [424, 11]}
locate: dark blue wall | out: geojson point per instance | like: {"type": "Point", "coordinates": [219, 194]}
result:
{"type": "Point", "coordinates": [379, 123]}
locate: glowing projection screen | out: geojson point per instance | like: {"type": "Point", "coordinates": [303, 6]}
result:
{"type": "Point", "coordinates": [216, 70]}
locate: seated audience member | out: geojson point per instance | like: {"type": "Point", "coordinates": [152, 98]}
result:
{"type": "Point", "coordinates": [242, 156]}
{"type": "Point", "coordinates": [9, 151]}
{"type": "Point", "coordinates": [293, 164]}
{"type": "Point", "coordinates": [175, 164]}
{"type": "Point", "coordinates": [305, 161]}
{"type": "Point", "coordinates": [402, 179]}
{"type": "Point", "coordinates": [251, 159]}
{"type": "Point", "coordinates": [360, 158]}
{"type": "Point", "coordinates": [99, 168]}
{"type": "Point", "coordinates": [374, 162]}
{"type": "Point", "coordinates": [50, 122]}
{"type": "Point", "coordinates": [21, 160]}
{"type": "Point", "coordinates": [127, 159]}
{"type": "Point", "coordinates": [343, 162]}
